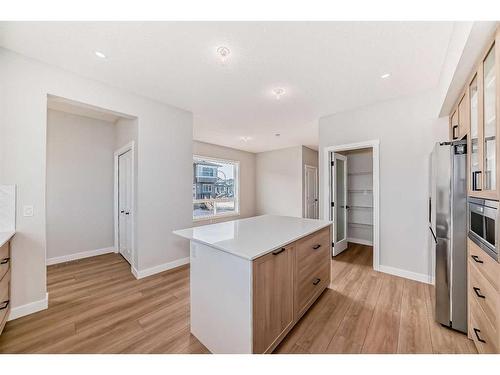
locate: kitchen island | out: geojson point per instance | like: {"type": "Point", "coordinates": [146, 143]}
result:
{"type": "Point", "coordinates": [251, 280]}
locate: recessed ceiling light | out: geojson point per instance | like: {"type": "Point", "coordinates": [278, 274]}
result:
{"type": "Point", "coordinates": [245, 139]}
{"type": "Point", "coordinates": [278, 92]}
{"type": "Point", "coordinates": [223, 52]}
{"type": "Point", "coordinates": [386, 75]}
{"type": "Point", "coordinates": [277, 135]}
{"type": "Point", "coordinates": [100, 54]}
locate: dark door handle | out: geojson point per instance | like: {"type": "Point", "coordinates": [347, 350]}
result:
{"type": "Point", "coordinates": [122, 211]}
{"type": "Point", "coordinates": [4, 260]}
{"type": "Point", "coordinates": [478, 292]}
{"type": "Point", "coordinates": [316, 281]}
{"type": "Point", "coordinates": [4, 304]}
{"type": "Point", "coordinates": [477, 331]}
{"type": "Point", "coordinates": [476, 259]}
{"type": "Point", "coordinates": [475, 185]}
{"type": "Point", "coordinates": [278, 251]}
{"type": "Point", "coordinates": [316, 247]}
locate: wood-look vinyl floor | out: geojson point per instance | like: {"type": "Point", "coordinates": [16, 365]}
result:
{"type": "Point", "coordinates": [97, 306]}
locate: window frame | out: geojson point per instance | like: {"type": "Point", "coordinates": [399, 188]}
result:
{"type": "Point", "coordinates": [236, 187]}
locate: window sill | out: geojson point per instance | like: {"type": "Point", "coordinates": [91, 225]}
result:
{"type": "Point", "coordinates": [210, 218]}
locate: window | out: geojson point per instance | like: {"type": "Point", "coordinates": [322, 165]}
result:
{"type": "Point", "coordinates": [215, 188]}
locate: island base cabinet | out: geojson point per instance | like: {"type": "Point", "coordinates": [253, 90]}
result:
{"type": "Point", "coordinates": [272, 298]}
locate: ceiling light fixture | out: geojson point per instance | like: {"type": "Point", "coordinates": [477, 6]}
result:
{"type": "Point", "coordinates": [223, 53]}
{"type": "Point", "coordinates": [100, 54]}
{"type": "Point", "coordinates": [245, 139]}
{"type": "Point", "coordinates": [386, 75]}
{"type": "Point", "coordinates": [278, 92]}
{"type": "Point", "coordinates": [277, 135]}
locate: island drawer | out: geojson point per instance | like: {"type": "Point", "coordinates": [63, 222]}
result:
{"type": "Point", "coordinates": [484, 264]}
{"type": "Point", "coordinates": [481, 330]}
{"type": "Point", "coordinates": [309, 285]}
{"type": "Point", "coordinates": [4, 259]}
{"type": "Point", "coordinates": [4, 298]}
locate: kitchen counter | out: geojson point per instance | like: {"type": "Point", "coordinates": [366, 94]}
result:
{"type": "Point", "coordinates": [253, 237]}
{"type": "Point", "coordinates": [6, 236]}
{"type": "Point", "coordinates": [251, 280]}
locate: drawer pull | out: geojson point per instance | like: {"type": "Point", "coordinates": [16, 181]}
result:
{"type": "Point", "coordinates": [4, 304]}
{"type": "Point", "coordinates": [477, 331]}
{"type": "Point", "coordinates": [476, 259]}
{"type": "Point", "coordinates": [4, 261]}
{"type": "Point", "coordinates": [316, 247]}
{"type": "Point", "coordinates": [477, 290]}
{"type": "Point", "coordinates": [316, 281]}
{"type": "Point", "coordinates": [278, 251]}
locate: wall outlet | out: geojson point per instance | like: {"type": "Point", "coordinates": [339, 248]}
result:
{"type": "Point", "coordinates": [28, 211]}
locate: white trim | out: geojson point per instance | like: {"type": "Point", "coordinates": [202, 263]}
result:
{"type": "Point", "coordinates": [128, 147]}
{"type": "Point", "coordinates": [80, 255]}
{"type": "Point", "coordinates": [360, 241]}
{"type": "Point", "coordinates": [374, 145]}
{"type": "Point", "coordinates": [316, 193]}
{"type": "Point", "coordinates": [140, 274]}
{"type": "Point", "coordinates": [423, 278]}
{"type": "Point", "coordinates": [29, 308]}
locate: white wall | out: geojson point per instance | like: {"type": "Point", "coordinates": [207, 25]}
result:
{"type": "Point", "coordinates": [407, 129]}
{"type": "Point", "coordinates": [279, 182]}
{"type": "Point", "coordinates": [164, 163]}
{"type": "Point", "coordinates": [246, 176]}
{"type": "Point", "coordinates": [79, 184]}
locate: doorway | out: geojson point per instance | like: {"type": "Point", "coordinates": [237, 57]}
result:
{"type": "Point", "coordinates": [311, 206]}
{"type": "Point", "coordinates": [124, 201]}
{"type": "Point", "coordinates": [351, 195]}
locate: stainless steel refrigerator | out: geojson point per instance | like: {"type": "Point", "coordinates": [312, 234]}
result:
{"type": "Point", "coordinates": [448, 227]}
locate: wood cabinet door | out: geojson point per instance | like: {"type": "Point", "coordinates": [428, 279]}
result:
{"type": "Point", "coordinates": [463, 116]}
{"type": "Point", "coordinates": [272, 297]}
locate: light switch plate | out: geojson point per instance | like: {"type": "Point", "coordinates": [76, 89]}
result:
{"type": "Point", "coordinates": [28, 211]}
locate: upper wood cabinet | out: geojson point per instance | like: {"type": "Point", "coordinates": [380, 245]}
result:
{"type": "Point", "coordinates": [478, 110]}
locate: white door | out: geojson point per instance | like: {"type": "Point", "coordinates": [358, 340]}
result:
{"type": "Point", "coordinates": [311, 192]}
{"type": "Point", "coordinates": [339, 202]}
{"type": "Point", "coordinates": [125, 205]}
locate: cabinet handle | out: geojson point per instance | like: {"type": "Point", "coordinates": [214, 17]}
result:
{"type": "Point", "coordinates": [475, 185]}
{"type": "Point", "coordinates": [477, 290]}
{"type": "Point", "coordinates": [278, 251]}
{"type": "Point", "coordinates": [477, 331]}
{"type": "Point", "coordinates": [316, 281]}
{"type": "Point", "coordinates": [453, 132]}
{"type": "Point", "coordinates": [4, 305]}
{"type": "Point", "coordinates": [316, 247]}
{"type": "Point", "coordinates": [476, 259]}
{"type": "Point", "coordinates": [4, 260]}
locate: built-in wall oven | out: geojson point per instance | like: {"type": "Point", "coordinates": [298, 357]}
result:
{"type": "Point", "coordinates": [483, 224]}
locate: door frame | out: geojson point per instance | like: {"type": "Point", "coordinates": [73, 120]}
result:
{"type": "Point", "coordinates": [325, 176]}
{"type": "Point", "coordinates": [128, 147]}
{"type": "Point", "coordinates": [316, 173]}
{"type": "Point", "coordinates": [333, 195]}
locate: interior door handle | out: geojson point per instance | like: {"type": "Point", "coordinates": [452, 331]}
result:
{"type": "Point", "coordinates": [122, 211]}
{"type": "Point", "coordinates": [127, 213]}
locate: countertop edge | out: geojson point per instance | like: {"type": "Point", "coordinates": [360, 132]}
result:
{"type": "Point", "coordinates": [258, 255]}
{"type": "Point", "coordinates": [6, 236]}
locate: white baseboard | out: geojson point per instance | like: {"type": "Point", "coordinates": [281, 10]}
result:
{"type": "Point", "coordinates": [81, 255]}
{"type": "Point", "coordinates": [29, 308]}
{"type": "Point", "coordinates": [423, 278]}
{"type": "Point", "coordinates": [360, 241]}
{"type": "Point", "coordinates": [140, 274]}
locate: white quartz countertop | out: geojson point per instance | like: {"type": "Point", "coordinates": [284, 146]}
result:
{"type": "Point", "coordinates": [253, 237]}
{"type": "Point", "coordinates": [6, 236]}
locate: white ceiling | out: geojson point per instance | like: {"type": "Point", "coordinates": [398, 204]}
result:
{"type": "Point", "coordinates": [325, 67]}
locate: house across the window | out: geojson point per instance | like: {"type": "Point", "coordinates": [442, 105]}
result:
{"type": "Point", "coordinates": [215, 190]}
